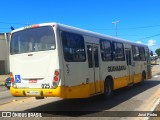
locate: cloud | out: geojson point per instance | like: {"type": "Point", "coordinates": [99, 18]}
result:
{"type": "Point", "coordinates": [139, 42]}
{"type": "Point", "coordinates": [151, 42]}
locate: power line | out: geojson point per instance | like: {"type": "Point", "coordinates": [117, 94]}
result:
{"type": "Point", "coordinates": [140, 27]}
{"type": "Point", "coordinates": [150, 36]}
{"type": "Point", "coordinates": [13, 23]}
{"type": "Point", "coordinates": [151, 26]}
{"type": "Point", "coordinates": [141, 35]}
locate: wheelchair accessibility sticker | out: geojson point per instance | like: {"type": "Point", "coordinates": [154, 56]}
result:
{"type": "Point", "coordinates": [18, 78]}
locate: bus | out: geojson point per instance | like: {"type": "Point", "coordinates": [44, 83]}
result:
{"type": "Point", "coordinates": [154, 59]}
{"type": "Point", "coordinates": [56, 60]}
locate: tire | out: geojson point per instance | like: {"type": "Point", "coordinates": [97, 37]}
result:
{"type": "Point", "coordinates": [108, 88]}
{"type": "Point", "coordinates": [143, 77]}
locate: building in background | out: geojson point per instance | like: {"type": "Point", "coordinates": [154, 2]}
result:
{"type": "Point", "coordinates": [4, 53]}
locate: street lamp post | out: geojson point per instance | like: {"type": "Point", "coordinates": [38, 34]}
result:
{"type": "Point", "coordinates": [115, 23]}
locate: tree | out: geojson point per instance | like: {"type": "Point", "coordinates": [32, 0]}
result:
{"type": "Point", "coordinates": [158, 51]}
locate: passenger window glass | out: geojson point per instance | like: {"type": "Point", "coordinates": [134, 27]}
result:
{"type": "Point", "coordinates": [142, 54]}
{"type": "Point", "coordinates": [135, 51]}
{"type": "Point", "coordinates": [73, 47]}
{"type": "Point", "coordinates": [96, 59]}
{"type": "Point", "coordinates": [89, 53]}
{"type": "Point", "coordinates": [106, 51]}
{"type": "Point", "coordinates": [33, 40]}
{"type": "Point", "coordinates": [119, 51]}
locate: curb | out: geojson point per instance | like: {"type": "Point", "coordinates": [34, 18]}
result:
{"type": "Point", "coordinates": [150, 105]}
{"type": "Point", "coordinates": [153, 108]}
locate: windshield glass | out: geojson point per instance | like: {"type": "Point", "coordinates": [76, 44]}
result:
{"type": "Point", "coordinates": [33, 40]}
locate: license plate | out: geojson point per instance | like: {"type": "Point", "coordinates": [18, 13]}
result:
{"type": "Point", "coordinates": [33, 93]}
{"type": "Point", "coordinates": [32, 81]}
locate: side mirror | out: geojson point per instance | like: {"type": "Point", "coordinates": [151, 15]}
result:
{"type": "Point", "coordinates": [151, 53]}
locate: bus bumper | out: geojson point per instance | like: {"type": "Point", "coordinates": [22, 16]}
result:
{"type": "Point", "coordinates": [81, 91]}
{"type": "Point", "coordinates": [29, 92]}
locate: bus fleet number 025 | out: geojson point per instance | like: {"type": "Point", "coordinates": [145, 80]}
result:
{"type": "Point", "coordinates": [46, 85]}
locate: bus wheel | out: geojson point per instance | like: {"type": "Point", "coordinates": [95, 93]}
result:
{"type": "Point", "coordinates": [143, 77]}
{"type": "Point", "coordinates": [108, 88]}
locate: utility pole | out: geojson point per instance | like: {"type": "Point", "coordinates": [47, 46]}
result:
{"type": "Point", "coordinates": [115, 23]}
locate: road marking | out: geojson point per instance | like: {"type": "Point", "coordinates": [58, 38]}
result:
{"type": "Point", "coordinates": [153, 108]}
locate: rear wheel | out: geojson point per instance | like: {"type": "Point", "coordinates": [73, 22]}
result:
{"type": "Point", "coordinates": [143, 78]}
{"type": "Point", "coordinates": [108, 88]}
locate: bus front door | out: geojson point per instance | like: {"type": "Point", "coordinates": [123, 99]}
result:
{"type": "Point", "coordinates": [93, 68]}
{"type": "Point", "coordinates": [130, 67]}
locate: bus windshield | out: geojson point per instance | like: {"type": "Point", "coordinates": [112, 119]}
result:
{"type": "Point", "coordinates": [32, 40]}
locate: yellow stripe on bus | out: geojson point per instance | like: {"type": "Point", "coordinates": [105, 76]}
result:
{"type": "Point", "coordinates": [79, 91]}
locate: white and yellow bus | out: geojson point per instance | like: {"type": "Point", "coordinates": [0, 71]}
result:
{"type": "Point", "coordinates": [55, 60]}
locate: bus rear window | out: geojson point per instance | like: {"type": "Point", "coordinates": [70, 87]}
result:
{"type": "Point", "coordinates": [33, 40]}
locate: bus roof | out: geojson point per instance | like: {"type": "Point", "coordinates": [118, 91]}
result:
{"type": "Point", "coordinates": [82, 31]}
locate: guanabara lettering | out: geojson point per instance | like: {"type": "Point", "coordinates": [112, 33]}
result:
{"type": "Point", "coordinates": [116, 68]}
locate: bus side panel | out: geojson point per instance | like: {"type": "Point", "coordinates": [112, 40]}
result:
{"type": "Point", "coordinates": [74, 72]}
{"type": "Point", "coordinates": [117, 70]}
{"type": "Point", "coordinates": [120, 78]}
{"type": "Point", "coordinates": [75, 80]}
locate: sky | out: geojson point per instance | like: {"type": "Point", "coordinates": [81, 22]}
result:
{"type": "Point", "coordinates": [139, 20]}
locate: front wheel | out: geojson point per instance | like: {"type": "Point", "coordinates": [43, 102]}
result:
{"type": "Point", "coordinates": [143, 78]}
{"type": "Point", "coordinates": [108, 89]}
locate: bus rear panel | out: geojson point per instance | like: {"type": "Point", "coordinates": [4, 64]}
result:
{"type": "Point", "coordinates": [34, 62]}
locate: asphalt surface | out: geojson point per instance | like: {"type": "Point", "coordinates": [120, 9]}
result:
{"type": "Point", "coordinates": [6, 97]}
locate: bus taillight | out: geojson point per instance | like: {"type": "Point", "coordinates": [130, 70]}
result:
{"type": "Point", "coordinates": [11, 77]}
{"type": "Point", "coordinates": [56, 78]}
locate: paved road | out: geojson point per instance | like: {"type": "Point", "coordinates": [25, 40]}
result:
{"type": "Point", "coordinates": [5, 96]}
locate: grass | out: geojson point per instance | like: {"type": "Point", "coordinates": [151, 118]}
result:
{"type": "Point", "coordinates": [1, 83]}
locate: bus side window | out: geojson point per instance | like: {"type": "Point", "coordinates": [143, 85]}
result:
{"type": "Point", "coordinates": [106, 51]}
{"type": "Point", "coordinates": [142, 54]}
{"type": "Point", "coordinates": [119, 51]}
{"type": "Point", "coordinates": [89, 53]}
{"type": "Point", "coordinates": [96, 58]}
{"type": "Point", "coordinates": [136, 54]}
{"type": "Point", "coordinates": [73, 47]}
